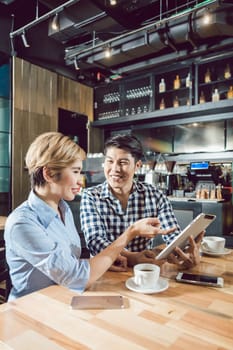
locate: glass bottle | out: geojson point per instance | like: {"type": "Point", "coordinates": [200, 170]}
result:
{"type": "Point", "coordinates": [202, 98]}
{"type": "Point", "coordinates": [162, 86]}
{"type": "Point", "coordinates": [177, 82]}
{"type": "Point", "coordinates": [227, 72]}
{"type": "Point", "coordinates": [188, 83]}
{"type": "Point", "coordinates": [219, 191]}
{"type": "Point", "coordinates": [215, 96]}
{"type": "Point", "coordinates": [162, 104]}
{"type": "Point", "coordinates": [230, 92]}
{"type": "Point", "coordinates": [207, 76]}
{"type": "Point", "coordinates": [176, 102]}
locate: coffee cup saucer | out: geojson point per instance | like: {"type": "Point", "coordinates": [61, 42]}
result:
{"type": "Point", "coordinates": [210, 253]}
{"type": "Point", "coordinates": [160, 286]}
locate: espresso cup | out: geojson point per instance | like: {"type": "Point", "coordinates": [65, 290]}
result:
{"type": "Point", "coordinates": [213, 244]}
{"type": "Point", "coordinates": [146, 275]}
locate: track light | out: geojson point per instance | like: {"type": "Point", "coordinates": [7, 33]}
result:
{"type": "Point", "coordinates": [55, 23]}
{"type": "Point", "coordinates": [108, 52]}
{"type": "Point", "coordinates": [76, 66]}
{"type": "Point", "coordinates": [207, 17]}
{"type": "Point", "coordinates": [24, 39]}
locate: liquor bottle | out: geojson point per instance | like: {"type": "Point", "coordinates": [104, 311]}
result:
{"type": "Point", "coordinates": [202, 98]}
{"type": "Point", "coordinates": [162, 104]}
{"type": "Point", "coordinates": [176, 102]}
{"type": "Point", "coordinates": [230, 92]}
{"type": "Point", "coordinates": [162, 86]}
{"type": "Point", "coordinates": [177, 83]}
{"type": "Point", "coordinates": [207, 76]}
{"type": "Point", "coordinates": [219, 191]}
{"type": "Point", "coordinates": [215, 96]}
{"type": "Point", "coordinates": [227, 72]}
{"type": "Point", "coordinates": [188, 82]}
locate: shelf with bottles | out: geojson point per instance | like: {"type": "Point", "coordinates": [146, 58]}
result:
{"type": "Point", "coordinates": [174, 89]}
{"type": "Point", "coordinates": [137, 96]}
{"type": "Point", "coordinates": [215, 93]}
{"type": "Point", "coordinates": [215, 81]}
{"type": "Point", "coordinates": [107, 101]}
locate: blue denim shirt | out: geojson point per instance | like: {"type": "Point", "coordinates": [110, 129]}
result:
{"type": "Point", "coordinates": [41, 250]}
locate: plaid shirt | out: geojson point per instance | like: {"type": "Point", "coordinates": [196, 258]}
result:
{"type": "Point", "coordinates": [103, 219]}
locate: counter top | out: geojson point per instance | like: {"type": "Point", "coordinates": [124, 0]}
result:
{"type": "Point", "coordinates": [188, 199]}
{"type": "Point", "coordinates": [181, 317]}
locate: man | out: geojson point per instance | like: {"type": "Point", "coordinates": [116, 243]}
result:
{"type": "Point", "coordinates": [109, 208]}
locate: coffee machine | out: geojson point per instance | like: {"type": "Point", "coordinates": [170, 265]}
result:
{"type": "Point", "coordinates": [208, 180]}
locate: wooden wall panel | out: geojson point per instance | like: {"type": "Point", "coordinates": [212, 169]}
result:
{"type": "Point", "coordinates": [34, 112]}
{"type": "Point", "coordinates": [35, 89]}
{"type": "Point", "coordinates": [37, 95]}
{"type": "Point", "coordinates": [75, 97]}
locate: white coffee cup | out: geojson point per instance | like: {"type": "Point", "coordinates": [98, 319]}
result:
{"type": "Point", "coordinates": [213, 244]}
{"type": "Point", "coordinates": [146, 275]}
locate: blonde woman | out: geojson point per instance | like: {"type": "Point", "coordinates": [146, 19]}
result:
{"type": "Point", "coordinates": [42, 245]}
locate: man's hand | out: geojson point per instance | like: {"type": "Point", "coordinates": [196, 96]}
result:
{"type": "Point", "coordinates": [190, 257]}
{"type": "Point", "coordinates": [119, 265]}
{"type": "Point", "coordinates": [143, 257]}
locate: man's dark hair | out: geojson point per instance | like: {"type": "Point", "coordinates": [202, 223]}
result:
{"type": "Point", "coordinates": [128, 143]}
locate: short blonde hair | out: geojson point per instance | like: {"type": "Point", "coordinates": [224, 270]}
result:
{"type": "Point", "coordinates": [53, 150]}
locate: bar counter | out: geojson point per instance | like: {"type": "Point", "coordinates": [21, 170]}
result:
{"type": "Point", "coordinates": [181, 317]}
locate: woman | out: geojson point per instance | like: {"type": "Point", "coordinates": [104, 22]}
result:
{"type": "Point", "coordinates": [42, 244]}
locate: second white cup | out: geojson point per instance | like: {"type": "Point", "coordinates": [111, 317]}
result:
{"type": "Point", "coordinates": [213, 244]}
{"type": "Point", "coordinates": [146, 275]}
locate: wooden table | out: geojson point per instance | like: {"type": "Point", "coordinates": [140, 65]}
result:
{"type": "Point", "coordinates": [182, 317]}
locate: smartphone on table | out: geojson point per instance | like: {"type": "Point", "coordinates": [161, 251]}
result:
{"type": "Point", "coordinates": [203, 280]}
{"type": "Point", "coordinates": [98, 302]}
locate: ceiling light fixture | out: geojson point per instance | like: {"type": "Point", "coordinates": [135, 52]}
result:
{"type": "Point", "coordinates": [113, 2]}
{"type": "Point", "coordinates": [108, 52]}
{"type": "Point", "coordinates": [76, 66]}
{"type": "Point", "coordinates": [42, 18]}
{"type": "Point", "coordinates": [207, 17]}
{"type": "Point", "coordinates": [55, 23]}
{"type": "Point", "coordinates": [24, 40]}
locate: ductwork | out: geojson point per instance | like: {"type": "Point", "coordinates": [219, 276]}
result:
{"type": "Point", "coordinates": [188, 31]}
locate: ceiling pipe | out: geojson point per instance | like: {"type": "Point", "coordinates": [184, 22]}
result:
{"type": "Point", "coordinates": [70, 54]}
{"type": "Point", "coordinates": [188, 29]}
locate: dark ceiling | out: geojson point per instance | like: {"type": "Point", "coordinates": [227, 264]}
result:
{"type": "Point", "coordinates": [140, 34]}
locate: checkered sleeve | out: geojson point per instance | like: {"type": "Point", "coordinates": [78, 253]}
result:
{"type": "Point", "coordinates": [92, 223]}
{"type": "Point", "coordinates": [167, 218]}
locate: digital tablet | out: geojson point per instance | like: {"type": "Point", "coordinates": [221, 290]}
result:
{"type": "Point", "coordinates": [199, 224]}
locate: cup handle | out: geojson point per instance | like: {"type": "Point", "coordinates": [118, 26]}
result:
{"type": "Point", "coordinates": [204, 245]}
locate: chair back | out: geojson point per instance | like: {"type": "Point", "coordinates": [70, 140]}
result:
{"type": "Point", "coordinates": [5, 281]}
